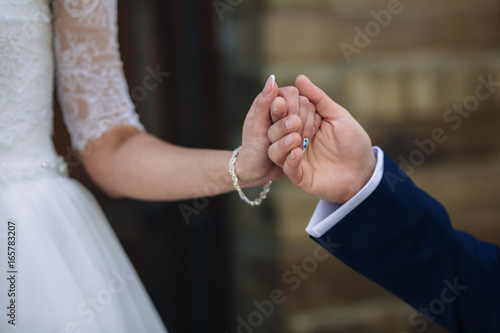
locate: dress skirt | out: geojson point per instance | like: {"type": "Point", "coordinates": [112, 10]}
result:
{"type": "Point", "coordinates": [63, 268]}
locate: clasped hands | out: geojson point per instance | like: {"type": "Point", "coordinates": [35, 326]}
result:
{"type": "Point", "coordinates": [338, 161]}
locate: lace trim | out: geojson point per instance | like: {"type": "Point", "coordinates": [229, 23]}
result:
{"type": "Point", "coordinates": [12, 173]}
{"type": "Point", "coordinates": [91, 85]}
{"type": "Point", "coordinates": [90, 82]}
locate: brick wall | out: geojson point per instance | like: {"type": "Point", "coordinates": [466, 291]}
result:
{"type": "Point", "coordinates": [399, 86]}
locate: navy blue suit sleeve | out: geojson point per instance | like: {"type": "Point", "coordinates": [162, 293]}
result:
{"type": "Point", "coordinates": [402, 239]}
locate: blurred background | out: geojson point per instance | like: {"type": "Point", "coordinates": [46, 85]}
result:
{"type": "Point", "coordinates": [214, 264]}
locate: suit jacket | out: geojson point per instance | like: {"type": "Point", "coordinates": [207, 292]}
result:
{"type": "Point", "coordinates": [402, 239]}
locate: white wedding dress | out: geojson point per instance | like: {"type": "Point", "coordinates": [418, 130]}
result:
{"type": "Point", "coordinates": [62, 268]}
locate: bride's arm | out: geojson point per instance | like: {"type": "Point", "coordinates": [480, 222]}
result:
{"type": "Point", "coordinates": [117, 153]}
{"type": "Point", "coordinates": [128, 162]}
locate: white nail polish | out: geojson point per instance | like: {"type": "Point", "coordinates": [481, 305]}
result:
{"type": "Point", "coordinates": [274, 79]}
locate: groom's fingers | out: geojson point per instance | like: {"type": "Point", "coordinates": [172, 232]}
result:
{"type": "Point", "coordinates": [279, 150]}
{"type": "Point", "coordinates": [317, 122]}
{"type": "Point", "coordinates": [291, 166]}
{"type": "Point", "coordinates": [284, 127]}
{"type": "Point", "coordinates": [279, 109]}
{"type": "Point", "coordinates": [325, 106]}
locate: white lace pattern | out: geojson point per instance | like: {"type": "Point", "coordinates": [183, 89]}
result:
{"type": "Point", "coordinates": [26, 72]}
{"type": "Point", "coordinates": [91, 85]}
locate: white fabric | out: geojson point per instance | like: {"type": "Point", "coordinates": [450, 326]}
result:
{"type": "Point", "coordinates": [91, 85]}
{"type": "Point", "coordinates": [71, 273]}
{"type": "Point", "coordinates": [328, 214]}
{"type": "Point", "coordinates": [26, 70]}
{"type": "Point", "coordinates": [71, 269]}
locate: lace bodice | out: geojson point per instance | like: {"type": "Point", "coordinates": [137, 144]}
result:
{"type": "Point", "coordinates": [90, 83]}
{"type": "Point", "coordinates": [26, 70]}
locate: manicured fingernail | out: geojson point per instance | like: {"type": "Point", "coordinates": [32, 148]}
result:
{"type": "Point", "coordinates": [289, 124]}
{"type": "Point", "coordinates": [269, 85]}
{"type": "Point", "coordinates": [292, 155]}
{"type": "Point", "coordinates": [305, 144]}
{"type": "Point", "coordinates": [288, 140]}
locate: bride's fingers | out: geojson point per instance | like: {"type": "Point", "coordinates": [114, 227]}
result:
{"type": "Point", "coordinates": [292, 166]}
{"type": "Point", "coordinates": [283, 127]}
{"type": "Point", "coordinates": [279, 150]}
{"type": "Point", "coordinates": [279, 109]}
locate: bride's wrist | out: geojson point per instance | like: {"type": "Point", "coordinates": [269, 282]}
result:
{"type": "Point", "coordinates": [246, 175]}
{"type": "Point", "coordinates": [246, 179]}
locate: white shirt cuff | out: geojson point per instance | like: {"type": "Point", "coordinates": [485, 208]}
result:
{"type": "Point", "coordinates": [328, 214]}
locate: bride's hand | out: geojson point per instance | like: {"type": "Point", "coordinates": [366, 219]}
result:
{"type": "Point", "coordinates": [339, 160]}
{"type": "Point", "coordinates": [253, 165]}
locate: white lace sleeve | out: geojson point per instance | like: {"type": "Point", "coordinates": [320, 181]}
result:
{"type": "Point", "coordinates": [91, 85]}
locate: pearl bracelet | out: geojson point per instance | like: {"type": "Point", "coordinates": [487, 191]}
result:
{"type": "Point", "coordinates": [262, 194]}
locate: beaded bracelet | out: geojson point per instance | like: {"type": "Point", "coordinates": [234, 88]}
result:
{"type": "Point", "coordinates": [262, 194]}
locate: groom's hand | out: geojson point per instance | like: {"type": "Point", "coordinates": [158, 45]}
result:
{"type": "Point", "coordinates": [339, 160]}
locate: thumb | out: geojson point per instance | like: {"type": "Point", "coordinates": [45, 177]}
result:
{"type": "Point", "coordinates": [262, 103]}
{"type": "Point", "coordinates": [325, 106]}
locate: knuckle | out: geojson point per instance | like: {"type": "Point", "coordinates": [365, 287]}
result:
{"type": "Point", "coordinates": [294, 121]}
{"type": "Point", "coordinates": [270, 152]}
{"type": "Point", "coordinates": [280, 100]}
{"type": "Point", "coordinates": [273, 134]}
{"type": "Point", "coordinates": [275, 102]}
{"type": "Point", "coordinates": [270, 134]}
{"type": "Point", "coordinates": [291, 90]}
{"type": "Point", "coordinates": [278, 107]}
{"type": "Point", "coordinates": [299, 120]}
{"type": "Point", "coordinates": [283, 144]}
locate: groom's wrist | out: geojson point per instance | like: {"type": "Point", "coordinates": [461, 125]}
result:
{"type": "Point", "coordinates": [361, 180]}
